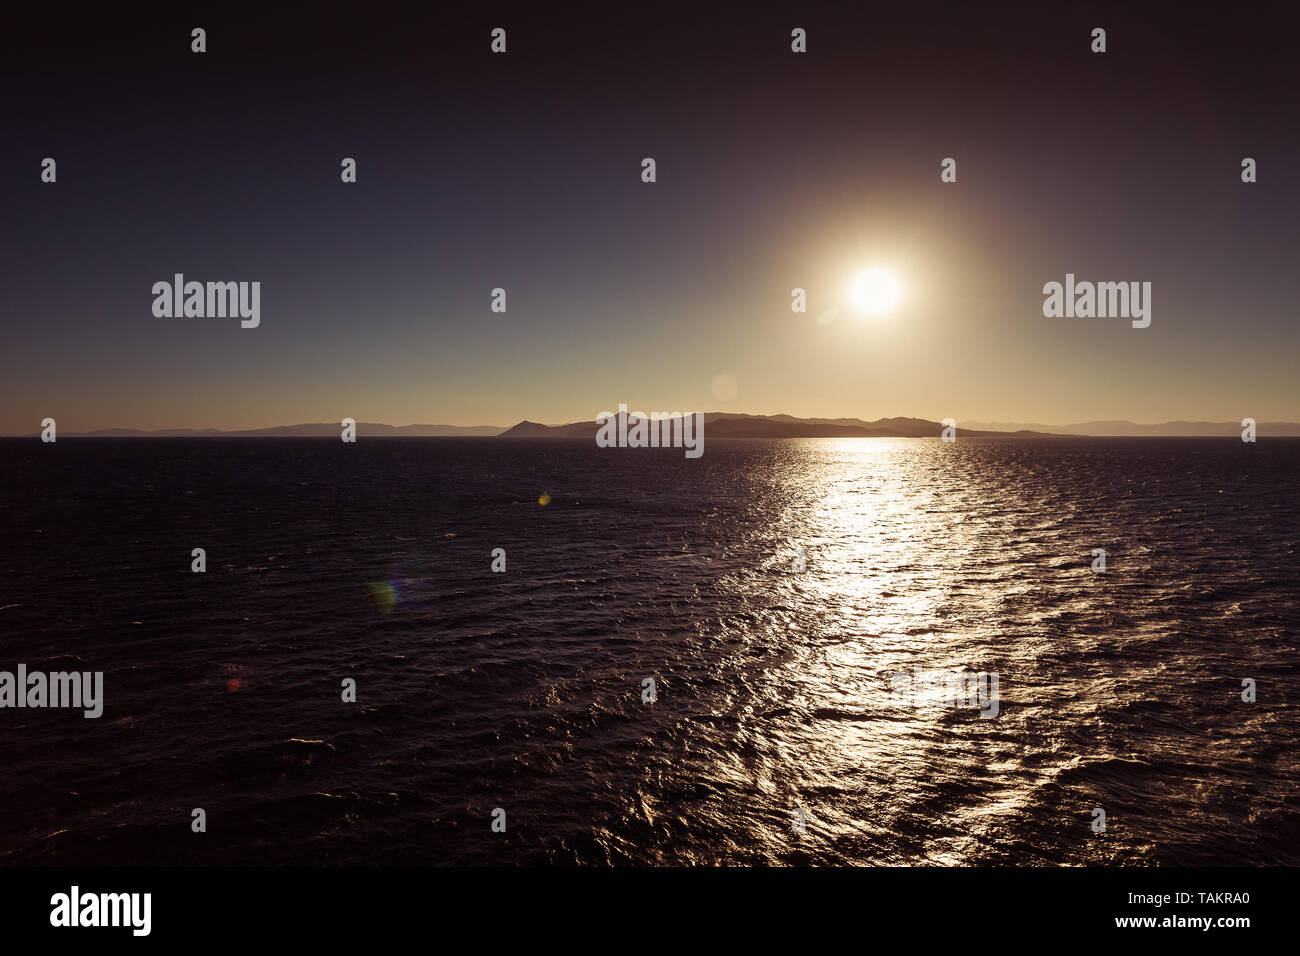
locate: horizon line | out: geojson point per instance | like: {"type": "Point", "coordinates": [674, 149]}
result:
{"type": "Point", "coordinates": [493, 430]}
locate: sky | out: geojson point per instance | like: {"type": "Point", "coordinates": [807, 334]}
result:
{"type": "Point", "coordinates": [522, 171]}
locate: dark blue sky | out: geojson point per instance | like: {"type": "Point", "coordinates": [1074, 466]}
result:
{"type": "Point", "coordinates": [522, 171]}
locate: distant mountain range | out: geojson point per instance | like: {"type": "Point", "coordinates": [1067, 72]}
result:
{"type": "Point", "coordinates": [313, 430]}
{"type": "Point", "coordinates": [1126, 429]}
{"type": "Point", "coordinates": [730, 425]}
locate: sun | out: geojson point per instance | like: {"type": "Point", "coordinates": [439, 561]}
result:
{"type": "Point", "coordinates": [875, 291]}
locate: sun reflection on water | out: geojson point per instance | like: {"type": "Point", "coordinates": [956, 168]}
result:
{"type": "Point", "coordinates": [885, 578]}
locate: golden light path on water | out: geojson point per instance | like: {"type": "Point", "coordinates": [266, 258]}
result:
{"type": "Point", "coordinates": [879, 557]}
{"type": "Point", "coordinates": [875, 534]}
{"type": "Point", "coordinates": [871, 530]}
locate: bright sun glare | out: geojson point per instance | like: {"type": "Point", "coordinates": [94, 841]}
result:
{"type": "Point", "coordinates": [875, 291]}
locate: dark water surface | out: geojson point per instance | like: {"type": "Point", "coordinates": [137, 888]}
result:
{"type": "Point", "coordinates": [522, 690]}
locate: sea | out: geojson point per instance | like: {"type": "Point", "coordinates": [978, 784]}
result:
{"type": "Point", "coordinates": [497, 652]}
